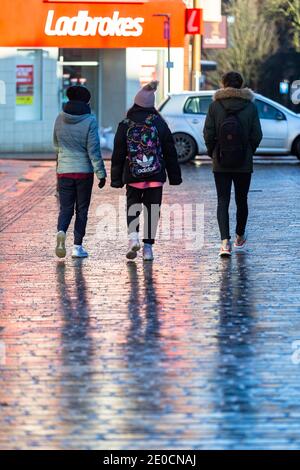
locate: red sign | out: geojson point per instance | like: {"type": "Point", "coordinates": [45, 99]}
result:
{"type": "Point", "coordinates": [24, 74]}
{"type": "Point", "coordinates": [24, 85]}
{"type": "Point", "coordinates": [194, 21]}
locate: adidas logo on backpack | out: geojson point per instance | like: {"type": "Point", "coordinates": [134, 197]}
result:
{"type": "Point", "coordinates": [144, 152]}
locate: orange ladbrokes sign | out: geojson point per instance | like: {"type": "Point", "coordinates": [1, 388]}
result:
{"type": "Point", "coordinates": [89, 23]}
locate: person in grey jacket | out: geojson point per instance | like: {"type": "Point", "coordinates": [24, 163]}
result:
{"type": "Point", "coordinates": [77, 145]}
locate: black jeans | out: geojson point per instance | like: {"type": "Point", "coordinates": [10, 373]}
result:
{"type": "Point", "coordinates": [150, 199]}
{"type": "Point", "coordinates": [74, 193]}
{"type": "Point", "coordinates": [241, 183]}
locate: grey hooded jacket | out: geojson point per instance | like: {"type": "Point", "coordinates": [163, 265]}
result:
{"type": "Point", "coordinates": [77, 144]}
{"type": "Point", "coordinates": [242, 101]}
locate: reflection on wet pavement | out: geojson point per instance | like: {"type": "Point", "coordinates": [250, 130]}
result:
{"type": "Point", "coordinates": [187, 352]}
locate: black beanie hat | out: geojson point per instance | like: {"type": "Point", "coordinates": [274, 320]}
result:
{"type": "Point", "coordinates": [78, 93]}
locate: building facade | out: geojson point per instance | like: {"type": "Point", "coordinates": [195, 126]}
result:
{"type": "Point", "coordinates": [112, 48]}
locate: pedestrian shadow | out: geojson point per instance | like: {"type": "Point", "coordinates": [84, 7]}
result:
{"type": "Point", "coordinates": [76, 347]}
{"type": "Point", "coordinates": [148, 304]}
{"type": "Point", "coordinates": [144, 354]}
{"type": "Point", "coordinates": [235, 374]}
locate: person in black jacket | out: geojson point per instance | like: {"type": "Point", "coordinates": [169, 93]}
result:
{"type": "Point", "coordinates": [234, 100]}
{"type": "Point", "coordinates": [144, 189]}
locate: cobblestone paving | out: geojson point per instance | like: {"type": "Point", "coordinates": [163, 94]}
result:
{"type": "Point", "coordinates": [190, 352]}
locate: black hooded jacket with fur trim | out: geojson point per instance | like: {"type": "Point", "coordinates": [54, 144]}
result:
{"type": "Point", "coordinates": [241, 100]}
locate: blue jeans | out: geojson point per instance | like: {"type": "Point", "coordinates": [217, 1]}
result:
{"type": "Point", "coordinates": [74, 194]}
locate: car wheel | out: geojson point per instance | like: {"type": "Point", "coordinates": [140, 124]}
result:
{"type": "Point", "coordinates": [185, 146]}
{"type": "Point", "coordinates": [297, 148]}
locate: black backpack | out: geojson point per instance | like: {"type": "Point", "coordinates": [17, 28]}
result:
{"type": "Point", "coordinates": [231, 145]}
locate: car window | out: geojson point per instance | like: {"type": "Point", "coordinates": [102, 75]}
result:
{"type": "Point", "coordinates": [266, 111]}
{"type": "Point", "coordinates": [197, 105]}
{"type": "Point", "coordinates": [163, 104]}
{"type": "Point", "coordinates": [205, 103]}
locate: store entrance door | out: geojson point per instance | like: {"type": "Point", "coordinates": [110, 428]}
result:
{"type": "Point", "coordinates": [79, 72]}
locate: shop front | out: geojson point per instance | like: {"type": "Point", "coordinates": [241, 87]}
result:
{"type": "Point", "coordinates": [110, 47]}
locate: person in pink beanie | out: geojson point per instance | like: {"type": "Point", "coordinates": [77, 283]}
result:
{"type": "Point", "coordinates": [145, 98]}
{"type": "Point", "coordinates": [144, 154]}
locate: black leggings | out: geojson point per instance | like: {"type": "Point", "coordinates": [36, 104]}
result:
{"type": "Point", "coordinates": [151, 199]}
{"type": "Point", "coordinates": [241, 183]}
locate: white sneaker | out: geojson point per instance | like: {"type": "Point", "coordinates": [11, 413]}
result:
{"type": "Point", "coordinates": [225, 250]}
{"type": "Point", "coordinates": [79, 252]}
{"type": "Point", "coordinates": [133, 246]}
{"type": "Point", "coordinates": [60, 250]}
{"type": "Point", "coordinates": [148, 252]}
{"type": "Point", "coordinates": [240, 244]}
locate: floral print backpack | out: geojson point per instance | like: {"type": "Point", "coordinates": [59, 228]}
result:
{"type": "Point", "coordinates": [144, 149]}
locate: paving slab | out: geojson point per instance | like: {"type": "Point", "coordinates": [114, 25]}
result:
{"type": "Point", "coordinates": [187, 352]}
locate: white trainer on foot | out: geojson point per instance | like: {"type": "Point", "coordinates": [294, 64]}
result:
{"type": "Point", "coordinates": [60, 250]}
{"type": "Point", "coordinates": [225, 250]}
{"type": "Point", "coordinates": [79, 252]}
{"type": "Point", "coordinates": [148, 252]}
{"type": "Point", "coordinates": [240, 242]}
{"type": "Point", "coordinates": [133, 246]}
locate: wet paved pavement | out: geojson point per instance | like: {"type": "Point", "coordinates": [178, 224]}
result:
{"type": "Point", "coordinates": [190, 352]}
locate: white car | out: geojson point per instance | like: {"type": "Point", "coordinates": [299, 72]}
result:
{"type": "Point", "coordinates": [186, 112]}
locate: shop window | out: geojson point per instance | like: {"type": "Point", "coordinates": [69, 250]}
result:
{"type": "Point", "coordinates": [2, 92]}
{"type": "Point", "coordinates": [80, 67]}
{"type": "Point", "coordinates": [152, 68]}
{"type": "Point", "coordinates": [29, 85]}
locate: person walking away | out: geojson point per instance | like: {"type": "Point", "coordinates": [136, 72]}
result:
{"type": "Point", "coordinates": [143, 153]}
{"type": "Point", "coordinates": [232, 133]}
{"type": "Point", "coordinates": [77, 145]}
